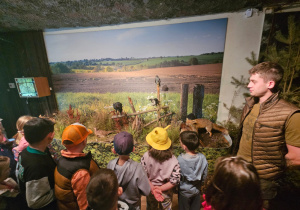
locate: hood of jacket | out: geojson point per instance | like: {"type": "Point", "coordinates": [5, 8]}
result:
{"type": "Point", "coordinates": [193, 167]}
{"type": "Point", "coordinates": [127, 169]}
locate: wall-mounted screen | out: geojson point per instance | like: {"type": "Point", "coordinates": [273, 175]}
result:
{"type": "Point", "coordinates": [26, 87]}
{"type": "Point", "coordinates": [33, 87]}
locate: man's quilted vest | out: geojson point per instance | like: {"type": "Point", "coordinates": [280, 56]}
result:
{"type": "Point", "coordinates": [66, 168]}
{"type": "Point", "coordinates": [268, 143]}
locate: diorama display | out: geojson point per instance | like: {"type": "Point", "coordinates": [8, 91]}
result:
{"type": "Point", "coordinates": [96, 69]}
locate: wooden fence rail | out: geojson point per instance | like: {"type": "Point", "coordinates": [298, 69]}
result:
{"type": "Point", "coordinates": [138, 113]}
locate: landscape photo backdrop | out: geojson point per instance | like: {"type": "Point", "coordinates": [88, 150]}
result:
{"type": "Point", "coordinates": [94, 69]}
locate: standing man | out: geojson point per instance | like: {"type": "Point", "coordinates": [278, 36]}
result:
{"type": "Point", "coordinates": [269, 135]}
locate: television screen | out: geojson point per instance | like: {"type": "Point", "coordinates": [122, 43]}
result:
{"type": "Point", "coordinates": [26, 87]}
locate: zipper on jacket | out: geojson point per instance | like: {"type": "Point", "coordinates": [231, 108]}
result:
{"type": "Point", "coordinates": [253, 132]}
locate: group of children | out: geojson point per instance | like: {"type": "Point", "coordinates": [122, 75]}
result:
{"type": "Point", "coordinates": [75, 181]}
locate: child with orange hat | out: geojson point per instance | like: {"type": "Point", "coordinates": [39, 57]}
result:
{"type": "Point", "coordinates": [74, 169]}
{"type": "Point", "coordinates": [162, 169]}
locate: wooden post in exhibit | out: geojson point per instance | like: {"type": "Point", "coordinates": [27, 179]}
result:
{"type": "Point", "coordinates": [158, 92]}
{"type": "Point", "coordinates": [158, 106]}
{"type": "Point", "coordinates": [184, 101]}
{"type": "Point", "coordinates": [198, 96]}
{"type": "Point", "coordinates": [131, 105]}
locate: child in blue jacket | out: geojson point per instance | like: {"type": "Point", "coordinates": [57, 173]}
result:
{"type": "Point", "coordinates": [193, 172]}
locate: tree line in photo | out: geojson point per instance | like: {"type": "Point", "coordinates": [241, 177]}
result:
{"type": "Point", "coordinates": [133, 64]}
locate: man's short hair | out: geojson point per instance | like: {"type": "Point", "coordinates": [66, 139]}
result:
{"type": "Point", "coordinates": [102, 190]}
{"type": "Point", "coordinates": [36, 129]}
{"type": "Point", "coordinates": [190, 140]}
{"type": "Point", "coordinates": [268, 71]}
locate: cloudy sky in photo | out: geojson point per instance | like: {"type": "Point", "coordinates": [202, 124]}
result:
{"type": "Point", "coordinates": [180, 39]}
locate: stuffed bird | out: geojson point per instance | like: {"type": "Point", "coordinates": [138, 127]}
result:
{"type": "Point", "coordinates": [154, 101]}
{"type": "Point", "coordinates": [118, 107]}
{"type": "Point", "coordinates": [157, 80]}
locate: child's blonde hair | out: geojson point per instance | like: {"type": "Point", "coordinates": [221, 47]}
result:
{"type": "Point", "coordinates": [20, 124]}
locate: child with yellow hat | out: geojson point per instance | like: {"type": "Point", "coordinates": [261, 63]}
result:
{"type": "Point", "coordinates": [74, 169]}
{"type": "Point", "coordinates": [162, 169]}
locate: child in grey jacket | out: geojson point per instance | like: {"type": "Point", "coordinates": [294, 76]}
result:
{"type": "Point", "coordinates": [131, 175]}
{"type": "Point", "coordinates": [193, 172]}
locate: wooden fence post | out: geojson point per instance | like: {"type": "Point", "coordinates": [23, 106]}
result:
{"type": "Point", "coordinates": [184, 101]}
{"type": "Point", "coordinates": [158, 106]}
{"type": "Point", "coordinates": [198, 97]}
{"type": "Point", "coordinates": [158, 92]}
{"type": "Point", "coordinates": [131, 104]}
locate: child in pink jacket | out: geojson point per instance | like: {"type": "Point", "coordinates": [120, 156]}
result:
{"type": "Point", "coordinates": [162, 169]}
{"type": "Point", "coordinates": [21, 141]}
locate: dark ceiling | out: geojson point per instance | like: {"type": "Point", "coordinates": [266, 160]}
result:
{"type": "Point", "coordinates": [24, 15]}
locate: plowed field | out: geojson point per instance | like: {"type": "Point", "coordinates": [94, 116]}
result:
{"type": "Point", "coordinates": [141, 81]}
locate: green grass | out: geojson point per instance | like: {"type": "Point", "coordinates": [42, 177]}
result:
{"type": "Point", "coordinates": [94, 109]}
{"type": "Point", "coordinates": [82, 71]}
{"type": "Point", "coordinates": [94, 102]}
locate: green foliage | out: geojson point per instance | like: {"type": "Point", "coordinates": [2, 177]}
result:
{"type": "Point", "coordinates": [82, 71]}
{"type": "Point", "coordinates": [194, 61]}
{"type": "Point", "coordinates": [210, 112]}
{"type": "Point", "coordinates": [94, 109]}
{"type": "Point", "coordinates": [212, 154]}
{"type": "Point", "coordinates": [285, 50]}
{"type": "Point", "coordinates": [252, 61]}
{"type": "Point", "coordinates": [234, 113]}
{"type": "Point", "coordinates": [233, 129]}
{"type": "Point", "coordinates": [109, 69]}
{"type": "Point", "coordinates": [94, 102]}
{"type": "Point", "coordinates": [242, 82]}
{"type": "Point", "coordinates": [59, 68]}
{"type": "Point", "coordinates": [126, 64]}
{"type": "Point", "coordinates": [101, 153]}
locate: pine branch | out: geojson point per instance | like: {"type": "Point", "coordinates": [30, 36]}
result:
{"type": "Point", "coordinates": [252, 61]}
{"type": "Point", "coordinates": [239, 83]}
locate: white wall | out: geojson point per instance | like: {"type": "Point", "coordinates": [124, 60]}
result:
{"type": "Point", "coordinates": [243, 36]}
